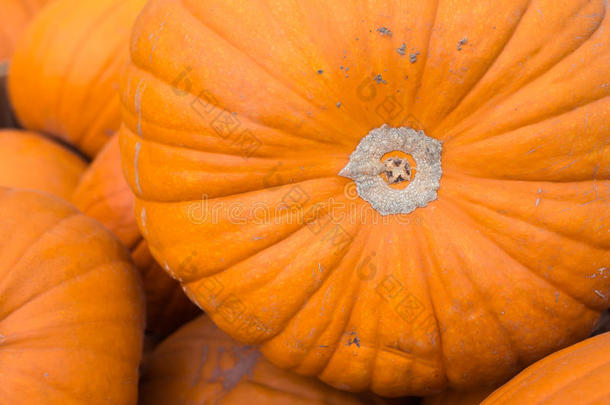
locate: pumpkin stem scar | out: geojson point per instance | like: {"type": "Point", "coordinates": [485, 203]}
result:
{"type": "Point", "coordinates": [365, 166]}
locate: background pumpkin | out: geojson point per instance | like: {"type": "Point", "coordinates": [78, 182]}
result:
{"type": "Point", "coordinates": [578, 374]}
{"type": "Point", "coordinates": [103, 194]}
{"type": "Point", "coordinates": [29, 160]}
{"type": "Point", "coordinates": [508, 263]}
{"type": "Point", "coordinates": [452, 397]}
{"type": "Point", "coordinates": [63, 77]}
{"type": "Point", "coordinates": [200, 364]}
{"type": "Point", "coordinates": [14, 16]}
{"type": "Point", "coordinates": [71, 324]}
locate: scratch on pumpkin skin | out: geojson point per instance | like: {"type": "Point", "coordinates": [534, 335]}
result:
{"type": "Point", "coordinates": [138, 104]}
{"type": "Point", "coordinates": [601, 294]}
{"type": "Point", "coordinates": [156, 38]}
{"type": "Point", "coordinates": [135, 167]}
{"type": "Point", "coordinates": [143, 220]}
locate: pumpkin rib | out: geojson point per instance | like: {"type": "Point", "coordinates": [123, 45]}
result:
{"type": "Point", "coordinates": [428, 261]}
{"type": "Point", "coordinates": [425, 54]}
{"type": "Point", "coordinates": [61, 283]}
{"type": "Point", "coordinates": [38, 238]}
{"type": "Point", "coordinates": [63, 389]}
{"type": "Point", "coordinates": [555, 114]}
{"type": "Point", "coordinates": [596, 244]}
{"type": "Point", "coordinates": [487, 69]}
{"type": "Point", "coordinates": [250, 287]}
{"type": "Point", "coordinates": [531, 79]}
{"type": "Point", "coordinates": [213, 155]}
{"type": "Point", "coordinates": [266, 71]}
{"type": "Point", "coordinates": [463, 197]}
{"type": "Point", "coordinates": [529, 269]}
{"type": "Point", "coordinates": [150, 120]}
{"type": "Point", "coordinates": [569, 238]}
{"type": "Point", "coordinates": [561, 110]}
{"type": "Point", "coordinates": [255, 62]}
{"type": "Point", "coordinates": [87, 135]}
{"type": "Point", "coordinates": [322, 332]}
{"type": "Point", "coordinates": [576, 382]}
{"type": "Point", "coordinates": [81, 44]}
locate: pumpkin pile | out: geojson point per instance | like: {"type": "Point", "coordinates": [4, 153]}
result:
{"type": "Point", "coordinates": [316, 202]}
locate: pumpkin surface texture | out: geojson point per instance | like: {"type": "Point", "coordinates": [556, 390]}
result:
{"type": "Point", "coordinates": [29, 160]}
{"type": "Point", "coordinates": [103, 194]}
{"type": "Point", "coordinates": [200, 364]}
{"type": "Point", "coordinates": [72, 322]}
{"type": "Point", "coordinates": [578, 374]}
{"type": "Point", "coordinates": [14, 17]}
{"type": "Point", "coordinates": [395, 196]}
{"type": "Point", "coordinates": [64, 76]}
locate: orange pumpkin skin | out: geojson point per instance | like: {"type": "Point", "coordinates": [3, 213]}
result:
{"type": "Point", "coordinates": [199, 363]}
{"type": "Point", "coordinates": [29, 160]}
{"type": "Point", "coordinates": [578, 374]}
{"type": "Point", "coordinates": [63, 77]}
{"type": "Point", "coordinates": [103, 194]}
{"type": "Point", "coordinates": [254, 119]}
{"type": "Point", "coordinates": [452, 397]}
{"type": "Point", "coordinates": [72, 306]}
{"type": "Point", "coordinates": [14, 16]}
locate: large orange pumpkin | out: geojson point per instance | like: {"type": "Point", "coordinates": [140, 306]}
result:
{"type": "Point", "coordinates": [14, 16]}
{"type": "Point", "coordinates": [391, 195]}
{"type": "Point", "coordinates": [200, 364]}
{"type": "Point", "coordinates": [28, 160]}
{"type": "Point", "coordinates": [576, 375]}
{"type": "Point", "coordinates": [103, 194]}
{"type": "Point", "coordinates": [71, 306]}
{"type": "Point", "coordinates": [63, 77]}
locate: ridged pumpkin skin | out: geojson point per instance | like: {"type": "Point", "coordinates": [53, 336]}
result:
{"type": "Point", "coordinates": [240, 113]}
{"type": "Point", "coordinates": [14, 16]}
{"type": "Point", "coordinates": [71, 305]}
{"type": "Point", "coordinates": [29, 160]}
{"type": "Point", "coordinates": [576, 375]}
{"type": "Point", "coordinates": [103, 194]}
{"type": "Point", "coordinates": [200, 364]}
{"type": "Point", "coordinates": [63, 77]}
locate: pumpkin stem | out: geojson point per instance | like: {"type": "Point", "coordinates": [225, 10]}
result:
{"type": "Point", "coordinates": [365, 167]}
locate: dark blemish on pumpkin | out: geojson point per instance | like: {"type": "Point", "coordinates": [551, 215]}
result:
{"type": "Point", "coordinates": [413, 57]}
{"type": "Point", "coordinates": [324, 346]}
{"type": "Point", "coordinates": [354, 341]}
{"type": "Point", "coordinates": [339, 104]}
{"type": "Point", "coordinates": [461, 42]}
{"type": "Point", "coordinates": [202, 359]}
{"type": "Point", "coordinates": [320, 71]}
{"type": "Point", "coordinates": [379, 79]}
{"type": "Point", "coordinates": [384, 31]}
{"type": "Point", "coordinates": [556, 296]}
{"type": "Point", "coordinates": [244, 366]}
{"type": "Point", "coordinates": [402, 50]}
{"type": "Point", "coordinates": [341, 67]}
